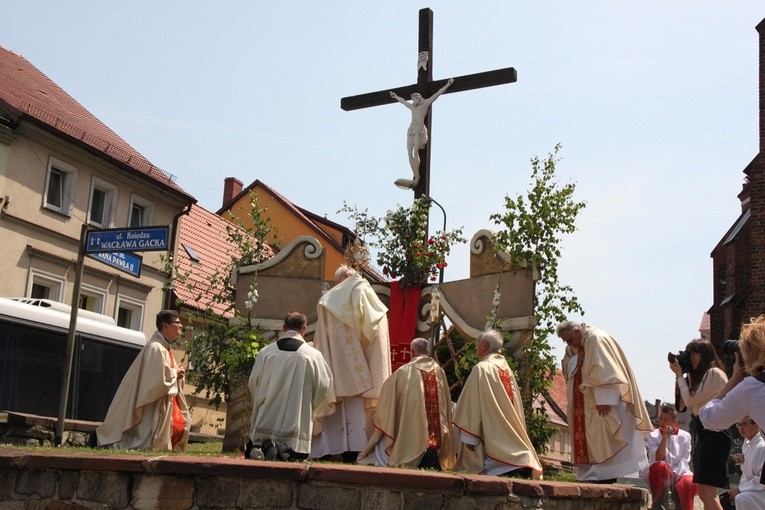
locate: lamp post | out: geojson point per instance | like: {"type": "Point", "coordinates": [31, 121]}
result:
{"type": "Point", "coordinates": [437, 327]}
{"type": "Point", "coordinates": [406, 185]}
{"type": "Point", "coordinates": [441, 271]}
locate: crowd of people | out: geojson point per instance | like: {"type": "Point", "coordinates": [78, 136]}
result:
{"type": "Point", "coordinates": [715, 403]}
{"type": "Point", "coordinates": [336, 398]}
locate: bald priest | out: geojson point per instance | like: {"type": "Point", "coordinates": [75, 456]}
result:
{"type": "Point", "coordinates": [412, 421]}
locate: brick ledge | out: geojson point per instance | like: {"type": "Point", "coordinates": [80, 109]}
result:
{"type": "Point", "coordinates": [453, 483]}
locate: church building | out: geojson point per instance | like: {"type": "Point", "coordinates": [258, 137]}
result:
{"type": "Point", "coordinates": [738, 273]}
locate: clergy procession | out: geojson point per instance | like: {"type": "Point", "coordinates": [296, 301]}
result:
{"type": "Point", "coordinates": [335, 398]}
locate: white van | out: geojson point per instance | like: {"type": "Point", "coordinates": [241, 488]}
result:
{"type": "Point", "coordinates": [33, 334]}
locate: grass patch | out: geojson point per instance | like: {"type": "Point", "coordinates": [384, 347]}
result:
{"type": "Point", "coordinates": [560, 477]}
{"type": "Point", "coordinates": [213, 449]}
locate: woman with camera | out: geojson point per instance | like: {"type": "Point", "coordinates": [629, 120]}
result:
{"type": "Point", "coordinates": [710, 454]}
{"type": "Point", "coordinates": [742, 395]}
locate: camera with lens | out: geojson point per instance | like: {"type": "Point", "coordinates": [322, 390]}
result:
{"type": "Point", "coordinates": [730, 347]}
{"type": "Point", "coordinates": [683, 358]}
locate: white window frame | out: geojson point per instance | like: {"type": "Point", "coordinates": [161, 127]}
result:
{"type": "Point", "coordinates": [69, 174]}
{"type": "Point", "coordinates": [135, 306]}
{"type": "Point", "coordinates": [98, 294]}
{"type": "Point", "coordinates": [54, 282]}
{"type": "Point", "coordinates": [110, 198]}
{"type": "Point", "coordinates": [148, 210]}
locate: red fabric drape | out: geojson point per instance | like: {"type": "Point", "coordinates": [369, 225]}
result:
{"type": "Point", "coordinates": [402, 322]}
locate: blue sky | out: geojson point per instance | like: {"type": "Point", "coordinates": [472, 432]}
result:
{"type": "Point", "coordinates": [654, 102]}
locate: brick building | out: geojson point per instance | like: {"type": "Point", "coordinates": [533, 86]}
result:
{"type": "Point", "coordinates": [739, 258]}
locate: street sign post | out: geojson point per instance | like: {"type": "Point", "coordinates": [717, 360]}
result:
{"type": "Point", "coordinates": [111, 246]}
{"type": "Point", "coordinates": [128, 262]}
{"type": "Point", "coordinates": [111, 240]}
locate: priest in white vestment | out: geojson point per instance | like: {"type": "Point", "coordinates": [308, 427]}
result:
{"type": "Point", "coordinates": [412, 420]}
{"type": "Point", "coordinates": [606, 414]}
{"type": "Point", "coordinates": [290, 382]}
{"type": "Point", "coordinates": [490, 417]}
{"type": "Point", "coordinates": [352, 334]}
{"type": "Point", "coordinates": [149, 411]}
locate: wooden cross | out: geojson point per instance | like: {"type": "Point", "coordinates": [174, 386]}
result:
{"type": "Point", "coordinates": [426, 87]}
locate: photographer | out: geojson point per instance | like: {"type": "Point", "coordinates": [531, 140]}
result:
{"type": "Point", "coordinates": [742, 395]}
{"type": "Point", "coordinates": [669, 452]}
{"type": "Point", "coordinates": [710, 454]}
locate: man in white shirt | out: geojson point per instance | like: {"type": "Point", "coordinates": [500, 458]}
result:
{"type": "Point", "coordinates": [669, 452]}
{"type": "Point", "coordinates": [750, 493]}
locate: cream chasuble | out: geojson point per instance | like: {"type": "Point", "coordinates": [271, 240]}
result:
{"type": "Point", "coordinates": [141, 413]}
{"type": "Point", "coordinates": [605, 446]}
{"type": "Point", "coordinates": [490, 409]}
{"type": "Point", "coordinates": [288, 389]}
{"type": "Point", "coordinates": [414, 413]}
{"type": "Point", "coordinates": [352, 334]}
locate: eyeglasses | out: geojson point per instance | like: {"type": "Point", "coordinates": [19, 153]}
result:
{"type": "Point", "coordinates": [744, 424]}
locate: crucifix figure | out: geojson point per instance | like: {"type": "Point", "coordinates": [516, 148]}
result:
{"type": "Point", "coordinates": [417, 134]}
{"type": "Point", "coordinates": [417, 137]}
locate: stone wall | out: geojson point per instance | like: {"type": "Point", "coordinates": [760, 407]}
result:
{"type": "Point", "coordinates": [63, 481]}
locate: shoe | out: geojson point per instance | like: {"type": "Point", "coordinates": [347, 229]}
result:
{"type": "Point", "coordinates": [253, 451]}
{"type": "Point", "coordinates": [663, 502]}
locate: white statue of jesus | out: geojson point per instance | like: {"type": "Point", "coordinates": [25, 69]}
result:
{"type": "Point", "coordinates": [417, 134]}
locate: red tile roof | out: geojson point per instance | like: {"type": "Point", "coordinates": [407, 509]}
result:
{"type": "Point", "coordinates": [312, 220]}
{"type": "Point", "coordinates": [297, 211]}
{"type": "Point", "coordinates": [27, 94]}
{"type": "Point", "coordinates": [205, 233]}
{"type": "Point", "coordinates": [557, 409]}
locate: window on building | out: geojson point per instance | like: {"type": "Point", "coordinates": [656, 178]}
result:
{"type": "Point", "coordinates": [59, 187]}
{"type": "Point", "coordinates": [191, 253]}
{"type": "Point", "coordinates": [102, 199]}
{"type": "Point", "coordinates": [56, 188]}
{"type": "Point", "coordinates": [129, 313]}
{"type": "Point", "coordinates": [137, 215]}
{"type": "Point", "coordinates": [141, 211]}
{"type": "Point", "coordinates": [92, 299]}
{"type": "Point", "coordinates": [43, 285]}
{"type": "Point", "coordinates": [40, 291]}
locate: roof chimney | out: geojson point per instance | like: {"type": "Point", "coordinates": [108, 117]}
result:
{"type": "Point", "coordinates": [231, 188]}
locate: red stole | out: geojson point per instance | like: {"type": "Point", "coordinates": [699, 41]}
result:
{"type": "Point", "coordinates": [579, 434]}
{"type": "Point", "coordinates": [507, 382]}
{"type": "Point", "coordinates": [430, 389]}
{"type": "Point", "coordinates": [179, 422]}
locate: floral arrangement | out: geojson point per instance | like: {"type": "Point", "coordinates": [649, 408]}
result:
{"type": "Point", "coordinates": [403, 251]}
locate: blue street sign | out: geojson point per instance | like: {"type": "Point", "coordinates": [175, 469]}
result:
{"type": "Point", "coordinates": [124, 261]}
{"type": "Point", "coordinates": [127, 239]}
